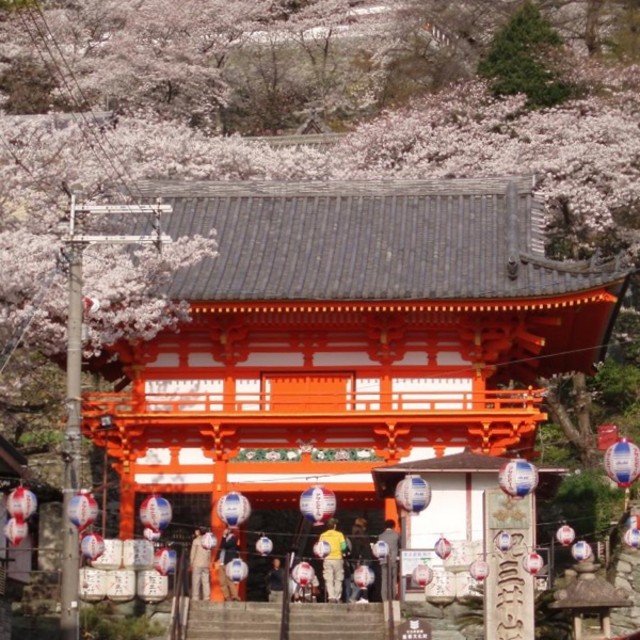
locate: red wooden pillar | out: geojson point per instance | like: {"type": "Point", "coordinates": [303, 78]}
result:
{"type": "Point", "coordinates": [127, 504]}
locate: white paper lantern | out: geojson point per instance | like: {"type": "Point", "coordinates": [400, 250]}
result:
{"type": "Point", "coordinates": [156, 512]}
{"type": "Point", "coordinates": [581, 551]}
{"type": "Point", "coordinates": [92, 585]}
{"type": "Point", "coordinates": [16, 531]}
{"type": "Point", "coordinates": [413, 494]}
{"type": "Point", "coordinates": [22, 503]}
{"type": "Point", "coordinates": [121, 585]}
{"type": "Point", "coordinates": [303, 574]}
{"type": "Point", "coordinates": [92, 546]}
{"type": "Point", "coordinates": [622, 462]}
{"type": "Point", "coordinates": [565, 535]}
{"type": "Point", "coordinates": [504, 541]}
{"type": "Point", "coordinates": [321, 549]}
{"type": "Point", "coordinates": [151, 586]}
{"type": "Point", "coordinates": [111, 559]}
{"type": "Point", "coordinates": [82, 510]}
{"type": "Point", "coordinates": [533, 563]}
{"type": "Point", "coordinates": [518, 478]}
{"type": "Point", "coordinates": [380, 549]}
{"type": "Point", "coordinates": [422, 575]}
{"type": "Point", "coordinates": [479, 569]}
{"type": "Point", "coordinates": [264, 546]}
{"type": "Point", "coordinates": [363, 577]}
{"type": "Point", "coordinates": [442, 548]}
{"type": "Point", "coordinates": [632, 538]}
{"type": "Point", "coordinates": [164, 561]}
{"type": "Point", "coordinates": [208, 541]}
{"type": "Point", "coordinates": [236, 570]}
{"type": "Point", "coordinates": [318, 504]}
{"type": "Point", "coordinates": [137, 554]}
{"type": "Point", "coordinates": [233, 508]}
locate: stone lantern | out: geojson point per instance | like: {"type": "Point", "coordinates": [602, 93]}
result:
{"type": "Point", "coordinates": [590, 599]}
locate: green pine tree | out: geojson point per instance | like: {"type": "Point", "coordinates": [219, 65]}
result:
{"type": "Point", "coordinates": [523, 59]}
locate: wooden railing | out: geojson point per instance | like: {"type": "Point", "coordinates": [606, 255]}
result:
{"type": "Point", "coordinates": [507, 401]}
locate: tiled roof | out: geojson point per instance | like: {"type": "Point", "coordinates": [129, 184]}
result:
{"type": "Point", "coordinates": [370, 240]}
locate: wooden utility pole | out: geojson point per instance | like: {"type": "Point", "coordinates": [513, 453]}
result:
{"type": "Point", "coordinates": [75, 243]}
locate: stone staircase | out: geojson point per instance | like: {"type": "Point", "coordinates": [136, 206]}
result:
{"type": "Point", "coordinates": [261, 621]}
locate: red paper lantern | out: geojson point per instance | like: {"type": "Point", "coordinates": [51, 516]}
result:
{"type": "Point", "coordinates": [318, 504]}
{"type": "Point", "coordinates": [151, 534]}
{"type": "Point", "coordinates": [164, 561]}
{"type": "Point", "coordinates": [236, 570]}
{"type": "Point", "coordinates": [413, 494]}
{"type": "Point", "coordinates": [504, 541]}
{"type": "Point", "coordinates": [622, 462]}
{"type": "Point", "coordinates": [422, 575]}
{"type": "Point", "coordinates": [442, 548]}
{"type": "Point", "coordinates": [16, 531]}
{"type": "Point", "coordinates": [581, 551]}
{"type": "Point", "coordinates": [565, 535]}
{"type": "Point", "coordinates": [22, 503]}
{"type": "Point", "coordinates": [92, 546]}
{"type": "Point", "coordinates": [208, 541]}
{"type": "Point", "coordinates": [479, 569]}
{"type": "Point", "coordinates": [632, 538]}
{"type": "Point", "coordinates": [517, 478]}
{"type": "Point", "coordinates": [533, 563]}
{"type": "Point", "coordinates": [380, 549]}
{"type": "Point", "coordinates": [82, 510]}
{"type": "Point", "coordinates": [303, 574]}
{"type": "Point", "coordinates": [321, 549]}
{"type": "Point", "coordinates": [156, 512]}
{"type": "Point", "coordinates": [264, 546]}
{"type": "Point", "coordinates": [363, 576]}
{"type": "Point", "coordinates": [233, 508]}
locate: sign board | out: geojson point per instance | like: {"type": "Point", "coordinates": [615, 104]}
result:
{"type": "Point", "coordinates": [415, 629]}
{"type": "Point", "coordinates": [409, 560]}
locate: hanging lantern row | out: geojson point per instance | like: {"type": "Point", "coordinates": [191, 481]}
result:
{"type": "Point", "coordinates": [92, 546]}
{"type": "Point", "coordinates": [156, 512]}
{"type": "Point", "coordinates": [16, 531]}
{"type": "Point", "coordinates": [422, 575]}
{"type": "Point", "coordinates": [21, 504]}
{"type": "Point", "coordinates": [413, 494]}
{"type": "Point", "coordinates": [518, 478]}
{"type": "Point", "coordinates": [504, 541]}
{"type": "Point", "coordinates": [581, 551]}
{"type": "Point", "coordinates": [318, 504]}
{"type": "Point", "coordinates": [264, 546]}
{"type": "Point", "coordinates": [303, 574]}
{"type": "Point", "coordinates": [236, 570]}
{"type": "Point", "coordinates": [565, 535]}
{"type": "Point", "coordinates": [208, 541]}
{"type": "Point", "coordinates": [533, 563]}
{"type": "Point", "coordinates": [442, 548]}
{"type": "Point", "coordinates": [165, 561]}
{"type": "Point", "coordinates": [622, 462]}
{"type": "Point", "coordinates": [632, 538]}
{"type": "Point", "coordinates": [380, 549]}
{"type": "Point", "coordinates": [82, 510]}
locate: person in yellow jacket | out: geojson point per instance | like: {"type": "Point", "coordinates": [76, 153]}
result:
{"type": "Point", "coordinates": [333, 565]}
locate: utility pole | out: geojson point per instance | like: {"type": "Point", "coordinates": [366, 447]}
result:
{"type": "Point", "coordinates": [75, 243]}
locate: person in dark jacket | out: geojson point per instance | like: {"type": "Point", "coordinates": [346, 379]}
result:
{"type": "Point", "coordinates": [275, 582]}
{"type": "Point", "coordinates": [227, 551]}
{"type": "Point", "coordinates": [360, 555]}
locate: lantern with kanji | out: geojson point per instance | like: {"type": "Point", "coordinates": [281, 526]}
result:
{"type": "Point", "coordinates": [622, 462]}
{"type": "Point", "coordinates": [303, 574]}
{"type": "Point", "coordinates": [156, 512]}
{"type": "Point", "coordinates": [233, 508]}
{"type": "Point", "coordinates": [518, 478]}
{"type": "Point", "coordinates": [236, 570]}
{"type": "Point", "coordinates": [82, 510]}
{"type": "Point", "coordinates": [581, 551]}
{"type": "Point", "coordinates": [632, 538]}
{"type": "Point", "coordinates": [321, 549]}
{"type": "Point", "coordinates": [208, 541]}
{"type": "Point", "coordinates": [442, 548]}
{"type": "Point", "coordinates": [413, 494]}
{"type": "Point", "coordinates": [151, 534]}
{"type": "Point", "coordinates": [16, 531]}
{"type": "Point", "coordinates": [22, 503]}
{"type": "Point", "coordinates": [565, 535]}
{"type": "Point", "coordinates": [380, 549]}
{"type": "Point", "coordinates": [363, 577]}
{"type": "Point", "coordinates": [164, 561]}
{"type": "Point", "coordinates": [504, 541]}
{"type": "Point", "coordinates": [533, 563]}
{"type": "Point", "coordinates": [264, 546]}
{"type": "Point", "coordinates": [92, 546]}
{"type": "Point", "coordinates": [422, 575]}
{"type": "Point", "coordinates": [317, 504]}
{"type": "Point", "coordinates": [479, 569]}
